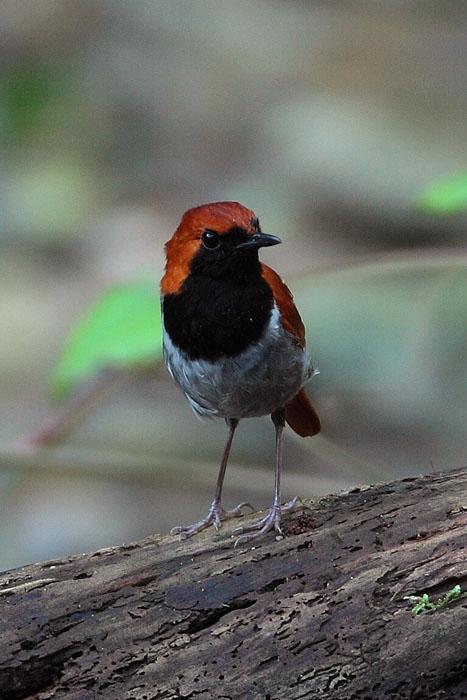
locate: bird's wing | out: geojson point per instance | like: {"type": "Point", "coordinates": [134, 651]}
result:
{"type": "Point", "coordinates": [290, 317]}
{"type": "Point", "coordinates": [300, 414]}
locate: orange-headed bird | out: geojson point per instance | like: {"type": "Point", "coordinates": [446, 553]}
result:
{"type": "Point", "coordinates": [234, 340]}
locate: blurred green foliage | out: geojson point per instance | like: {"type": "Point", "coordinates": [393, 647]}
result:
{"type": "Point", "coordinates": [445, 197]}
{"type": "Point", "coordinates": [28, 92]}
{"type": "Point", "coordinates": [121, 330]}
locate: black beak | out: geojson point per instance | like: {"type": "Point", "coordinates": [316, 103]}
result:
{"type": "Point", "coordinates": [259, 240]}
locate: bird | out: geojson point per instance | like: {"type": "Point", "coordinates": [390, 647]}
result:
{"type": "Point", "coordinates": [234, 341]}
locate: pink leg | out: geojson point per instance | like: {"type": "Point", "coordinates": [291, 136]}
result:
{"type": "Point", "coordinates": [271, 521]}
{"type": "Point", "coordinates": [216, 513]}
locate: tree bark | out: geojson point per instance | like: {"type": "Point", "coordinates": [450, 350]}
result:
{"type": "Point", "coordinates": [320, 613]}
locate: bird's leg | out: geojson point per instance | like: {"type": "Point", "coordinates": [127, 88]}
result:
{"type": "Point", "coordinates": [273, 518]}
{"type": "Point", "coordinates": [216, 512]}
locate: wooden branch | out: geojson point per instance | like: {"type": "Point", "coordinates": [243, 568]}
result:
{"type": "Point", "coordinates": [319, 614]}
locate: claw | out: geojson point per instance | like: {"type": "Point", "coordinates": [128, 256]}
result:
{"type": "Point", "coordinates": [237, 511]}
{"type": "Point", "coordinates": [214, 517]}
{"type": "Point", "coordinates": [271, 521]}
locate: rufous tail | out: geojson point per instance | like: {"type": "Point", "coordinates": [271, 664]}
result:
{"type": "Point", "coordinates": [301, 416]}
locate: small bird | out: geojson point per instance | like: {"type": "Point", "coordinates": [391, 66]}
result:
{"type": "Point", "coordinates": [234, 340]}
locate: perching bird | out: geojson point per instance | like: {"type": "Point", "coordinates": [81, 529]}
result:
{"type": "Point", "coordinates": [234, 340]}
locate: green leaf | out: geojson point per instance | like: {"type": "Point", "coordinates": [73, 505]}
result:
{"type": "Point", "coordinates": [423, 603]}
{"type": "Point", "coordinates": [122, 329]}
{"type": "Point", "coordinates": [450, 595]}
{"type": "Point", "coordinates": [446, 197]}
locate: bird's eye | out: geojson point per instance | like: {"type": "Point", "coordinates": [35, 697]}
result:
{"type": "Point", "coordinates": [210, 239]}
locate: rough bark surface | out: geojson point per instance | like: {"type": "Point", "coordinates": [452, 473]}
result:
{"type": "Point", "coordinates": [318, 614]}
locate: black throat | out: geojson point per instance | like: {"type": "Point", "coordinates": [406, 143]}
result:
{"type": "Point", "coordinates": [219, 312]}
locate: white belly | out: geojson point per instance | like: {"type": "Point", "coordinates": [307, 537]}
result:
{"type": "Point", "coordinates": [253, 383]}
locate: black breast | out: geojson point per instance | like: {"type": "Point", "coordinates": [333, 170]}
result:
{"type": "Point", "coordinates": [212, 318]}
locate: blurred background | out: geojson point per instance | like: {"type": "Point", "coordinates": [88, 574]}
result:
{"type": "Point", "coordinates": [328, 119]}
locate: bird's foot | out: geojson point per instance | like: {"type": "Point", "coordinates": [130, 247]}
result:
{"type": "Point", "coordinates": [271, 521]}
{"type": "Point", "coordinates": [215, 516]}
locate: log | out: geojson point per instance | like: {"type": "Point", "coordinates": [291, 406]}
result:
{"type": "Point", "coordinates": [321, 613]}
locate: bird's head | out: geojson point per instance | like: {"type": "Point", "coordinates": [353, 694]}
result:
{"type": "Point", "coordinates": [213, 239]}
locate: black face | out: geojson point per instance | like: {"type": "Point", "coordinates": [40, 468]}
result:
{"type": "Point", "coordinates": [220, 255]}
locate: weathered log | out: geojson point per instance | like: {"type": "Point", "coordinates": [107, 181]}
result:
{"type": "Point", "coordinates": [321, 613]}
